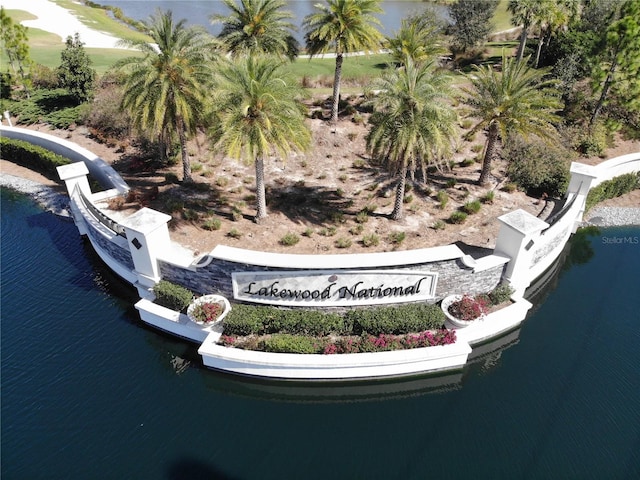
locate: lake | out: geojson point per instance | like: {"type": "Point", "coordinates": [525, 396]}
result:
{"type": "Point", "coordinates": [88, 391]}
{"type": "Point", "coordinates": [197, 12]}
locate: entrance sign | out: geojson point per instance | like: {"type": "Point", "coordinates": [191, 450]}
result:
{"type": "Point", "coordinates": [334, 288]}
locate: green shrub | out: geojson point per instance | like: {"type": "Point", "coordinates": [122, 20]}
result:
{"type": "Point", "coordinates": [343, 242]}
{"type": "Point", "coordinates": [212, 224]}
{"type": "Point", "coordinates": [356, 229]}
{"type": "Point", "coordinates": [308, 232]}
{"type": "Point", "coordinates": [591, 142]}
{"type": "Point", "coordinates": [451, 183]}
{"type": "Point", "coordinates": [501, 294]}
{"type": "Point", "coordinates": [397, 237]}
{"type": "Point", "coordinates": [247, 320]}
{"type": "Point", "coordinates": [234, 233]}
{"type": "Point", "coordinates": [285, 343]}
{"type": "Point", "coordinates": [510, 187]}
{"type": "Point", "coordinates": [467, 162]}
{"type": "Point", "coordinates": [362, 216]}
{"type": "Point", "coordinates": [537, 167]}
{"type": "Point", "coordinates": [477, 148]}
{"type": "Point", "coordinates": [457, 217]}
{"type": "Point", "coordinates": [443, 198]}
{"type": "Point", "coordinates": [613, 188]}
{"type": "Point", "coordinates": [413, 317]}
{"type": "Point", "coordinates": [488, 197]}
{"type": "Point", "coordinates": [471, 207]}
{"type": "Point", "coordinates": [172, 296]}
{"type": "Point", "coordinates": [289, 239]}
{"type": "Point", "coordinates": [370, 240]}
{"type": "Point", "coordinates": [31, 156]}
{"type": "Point", "coordinates": [438, 225]}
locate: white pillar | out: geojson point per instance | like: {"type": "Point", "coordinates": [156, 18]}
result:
{"type": "Point", "coordinates": [148, 236]}
{"type": "Point", "coordinates": [75, 175]}
{"type": "Point", "coordinates": [582, 179]}
{"type": "Point", "coordinates": [518, 233]}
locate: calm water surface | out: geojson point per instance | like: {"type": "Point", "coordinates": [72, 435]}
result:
{"type": "Point", "coordinates": [90, 393]}
{"type": "Point", "coordinates": [197, 12]}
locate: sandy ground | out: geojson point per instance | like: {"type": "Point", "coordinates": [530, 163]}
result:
{"type": "Point", "coordinates": [55, 19]}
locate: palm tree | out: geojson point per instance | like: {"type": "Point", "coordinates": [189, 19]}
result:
{"type": "Point", "coordinates": [257, 27]}
{"type": "Point", "coordinates": [165, 87]}
{"type": "Point", "coordinates": [259, 114]}
{"type": "Point", "coordinates": [413, 122]}
{"type": "Point", "coordinates": [418, 38]}
{"type": "Point", "coordinates": [518, 99]}
{"type": "Point", "coordinates": [523, 12]}
{"type": "Point", "coordinates": [341, 27]}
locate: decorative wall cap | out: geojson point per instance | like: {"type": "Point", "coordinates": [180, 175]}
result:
{"type": "Point", "coordinates": [145, 220]}
{"type": "Point", "coordinates": [523, 222]}
{"type": "Point", "coordinates": [337, 261]}
{"type": "Point", "coordinates": [72, 170]}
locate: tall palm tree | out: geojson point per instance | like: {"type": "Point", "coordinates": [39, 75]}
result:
{"type": "Point", "coordinates": [165, 88]}
{"type": "Point", "coordinates": [413, 122]}
{"type": "Point", "coordinates": [257, 27]}
{"type": "Point", "coordinates": [259, 114]}
{"type": "Point", "coordinates": [518, 99]}
{"type": "Point", "coordinates": [341, 27]}
{"type": "Point", "coordinates": [523, 12]}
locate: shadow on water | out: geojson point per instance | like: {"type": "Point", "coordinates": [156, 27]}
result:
{"type": "Point", "coordinates": [194, 469]}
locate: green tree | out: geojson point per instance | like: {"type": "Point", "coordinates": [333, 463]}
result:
{"type": "Point", "coordinates": [517, 99]}
{"type": "Point", "coordinates": [259, 114]}
{"type": "Point", "coordinates": [75, 72]}
{"type": "Point", "coordinates": [419, 38]}
{"type": "Point", "coordinates": [341, 27]}
{"type": "Point", "coordinates": [619, 69]}
{"type": "Point", "coordinates": [523, 13]}
{"type": "Point", "coordinates": [166, 87]}
{"type": "Point", "coordinates": [257, 27]}
{"type": "Point", "coordinates": [552, 16]}
{"type": "Point", "coordinates": [413, 123]}
{"type": "Point", "coordinates": [471, 22]}
{"type": "Point", "coordinates": [15, 43]}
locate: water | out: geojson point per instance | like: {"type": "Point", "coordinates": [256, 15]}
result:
{"type": "Point", "coordinates": [197, 12]}
{"type": "Point", "coordinates": [89, 392]}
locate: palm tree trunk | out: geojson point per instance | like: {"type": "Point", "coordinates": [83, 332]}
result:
{"type": "Point", "coordinates": [492, 140]}
{"type": "Point", "coordinates": [523, 42]}
{"type": "Point", "coordinates": [261, 203]}
{"type": "Point", "coordinates": [540, 42]}
{"type": "Point", "coordinates": [399, 201]}
{"type": "Point", "coordinates": [336, 88]}
{"type": "Point", "coordinates": [186, 164]}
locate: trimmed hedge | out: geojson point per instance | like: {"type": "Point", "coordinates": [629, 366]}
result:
{"type": "Point", "coordinates": [31, 156]}
{"type": "Point", "coordinates": [172, 296]}
{"type": "Point", "coordinates": [612, 188]}
{"type": "Point", "coordinates": [258, 320]}
{"type": "Point", "coordinates": [285, 343]}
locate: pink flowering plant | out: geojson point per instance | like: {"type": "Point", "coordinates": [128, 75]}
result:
{"type": "Point", "coordinates": [207, 312]}
{"type": "Point", "coordinates": [469, 308]}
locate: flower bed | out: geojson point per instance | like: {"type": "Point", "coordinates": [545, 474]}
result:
{"type": "Point", "coordinates": [365, 343]}
{"type": "Point", "coordinates": [208, 309]}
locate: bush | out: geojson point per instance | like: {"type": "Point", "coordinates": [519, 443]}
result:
{"type": "Point", "coordinates": [613, 188]}
{"type": "Point", "coordinates": [212, 224]}
{"type": "Point", "coordinates": [591, 142]}
{"type": "Point", "coordinates": [414, 317]}
{"type": "Point", "coordinates": [172, 296]}
{"type": "Point", "coordinates": [31, 156]}
{"type": "Point", "coordinates": [457, 217]}
{"type": "Point", "coordinates": [343, 242]}
{"type": "Point", "coordinates": [488, 197]}
{"type": "Point", "coordinates": [443, 198]}
{"type": "Point", "coordinates": [471, 207]}
{"type": "Point", "coordinates": [285, 343]}
{"type": "Point", "coordinates": [397, 237]}
{"type": "Point", "coordinates": [501, 294]}
{"type": "Point", "coordinates": [538, 167]}
{"type": "Point", "coordinates": [289, 239]}
{"type": "Point", "coordinates": [370, 240]}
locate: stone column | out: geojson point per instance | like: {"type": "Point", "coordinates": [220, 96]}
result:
{"type": "Point", "coordinates": [148, 236]}
{"type": "Point", "coordinates": [518, 233]}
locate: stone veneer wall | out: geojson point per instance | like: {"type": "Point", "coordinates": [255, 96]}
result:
{"type": "Point", "coordinates": [119, 253]}
{"type": "Point", "coordinates": [453, 276]}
